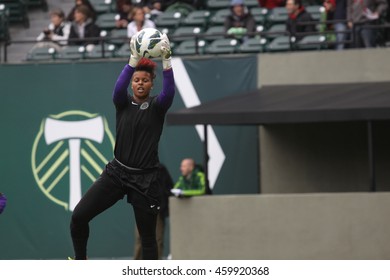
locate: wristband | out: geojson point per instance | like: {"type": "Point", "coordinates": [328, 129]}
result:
{"type": "Point", "coordinates": [167, 64]}
{"type": "Point", "coordinates": [133, 61]}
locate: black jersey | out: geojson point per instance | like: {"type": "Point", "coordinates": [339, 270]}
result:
{"type": "Point", "coordinates": [138, 131]}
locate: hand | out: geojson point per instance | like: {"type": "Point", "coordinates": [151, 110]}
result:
{"type": "Point", "coordinates": [134, 56]}
{"type": "Point", "coordinates": [165, 47]}
{"type": "Point", "coordinates": [177, 192]}
{"type": "Point", "coordinates": [166, 52]}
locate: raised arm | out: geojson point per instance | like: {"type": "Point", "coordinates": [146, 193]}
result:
{"type": "Point", "coordinates": [119, 96]}
{"type": "Point", "coordinates": [165, 98]}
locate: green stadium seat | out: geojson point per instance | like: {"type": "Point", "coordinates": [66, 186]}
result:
{"type": "Point", "coordinates": [222, 46]}
{"type": "Point", "coordinates": [106, 21]}
{"type": "Point", "coordinates": [168, 19]}
{"type": "Point", "coordinates": [183, 8]}
{"type": "Point", "coordinates": [215, 32]}
{"type": "Point", "coordinates": [276, 31]}
{"type": "Point", "coordinates": [183, 33]}
{"type": "Point", "coordinates": [316, 11]}
{"type": "Point", "coordinates": [253, 45]}
{"type": "Point", "coordinates": [196, 18]}
{"type": "Point", "coordinates": [97, 51]}
{"type": "Point", "coordinates": [251, 3]}
{"type": "Point", "coordinates": [71, 53]}
{"type": "Point", "coordinates": [259, 14]}
{"type": "Point", "coordinates": [166, 30]}
{"type": "Point", "coordinates": [188, 47]}
{"type": "Point", "coordinates": [123, 51]}
{"type": "Point", "coordinates": [279, 44]}
{"type": "Point", "coordinates": [277, 15]}
{"type": "Point", "coordinates": [218, 18]}
{"type": "Point", "coordinates": [312, 42]}
{"type": "Point", "coordinates": [103, 6]}
{"type": "Point", "coordinates": [215, 5]}
{"type": "Point", "coordinates": [118, 37]}
{"type": "Point", "coordinates": [41, 54]}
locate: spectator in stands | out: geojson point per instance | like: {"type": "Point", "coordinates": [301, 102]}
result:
{"type": "Point", "coordinates": [166, 184]}
{"type": "Point", "coordinates": [154, 9]}
{"type": "Point", "coordinates": [57, 31]}
{"type": "Point", "coordinates": [139, 22]}
{"type": "Point", "coordinates": [240, 23]}
{"type": "Point", "coordinates": [83, 27]}
{"type": "Point", "coordinates": [336, 10]}
{"type": "Point", "coordinates": [270, 4]}
{"type": "Point", "coordinates": [360, 15]}
{"type": "Point", "coordinates": [124, 17]}
{"type": "Point", "coordinates": [299, 19]}
{"type": "Point", "coordinates": [93, 13]}
{"type": "Point", "coordinates": [192, 180]}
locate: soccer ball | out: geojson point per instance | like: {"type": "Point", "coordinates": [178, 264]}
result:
{"type": "Point", "coordinates": [148, 42]}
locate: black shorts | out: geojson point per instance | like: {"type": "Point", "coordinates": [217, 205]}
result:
{"type": "Point", "coordinates": [141, 186]}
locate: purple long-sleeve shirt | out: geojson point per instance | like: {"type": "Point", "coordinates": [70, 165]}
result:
{"type": "Point", "coordinates": [139, 126]}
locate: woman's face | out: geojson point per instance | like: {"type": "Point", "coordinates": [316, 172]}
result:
{"type": "Point", "coordinates": [141, 85]}
{"type": "Point", "coordinates": [139, 15]}
{"type": "Point", "coordinates": [79, 17]}
{"type": "Point", "coordinates": [55, 19]}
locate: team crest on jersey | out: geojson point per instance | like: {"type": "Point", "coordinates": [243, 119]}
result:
{"type": "Point", "coordinates": [144, 106]}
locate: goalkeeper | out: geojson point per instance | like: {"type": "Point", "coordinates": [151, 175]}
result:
{"type": "Point", "coordinates": [133, 171]}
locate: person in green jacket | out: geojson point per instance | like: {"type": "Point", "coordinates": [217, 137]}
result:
{"type": "Point", "coordinates": [192, 180]}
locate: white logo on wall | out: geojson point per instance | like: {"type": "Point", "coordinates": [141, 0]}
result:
{"type": "Point", "coordinates": [69, 149]}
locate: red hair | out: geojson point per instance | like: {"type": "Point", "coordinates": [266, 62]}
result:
{"type": "Point", "coordinates": [146, 65]}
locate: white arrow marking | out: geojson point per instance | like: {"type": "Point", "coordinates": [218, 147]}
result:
{"type": "Point", "coordinates": [191, 99]}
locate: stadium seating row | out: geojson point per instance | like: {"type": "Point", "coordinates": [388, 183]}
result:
{"type": "Point", "coordinates": [171, 20]}
{"type": "Point", "coordinates": [186, 47]}
{"type": "Point", "coordinates": [109, 6]}
{"type": "Point", "coordinates": [182, 26]}
{"type": "Point", "coordinates": [205, 25]}
{"type": "Point", "coordinates": [185, 33]}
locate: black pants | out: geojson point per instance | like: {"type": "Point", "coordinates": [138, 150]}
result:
{"type": "Point", "coordinates": [113, 184]}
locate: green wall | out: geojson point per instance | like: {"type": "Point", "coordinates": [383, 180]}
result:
{"type": "Point", "coordinates": [35, 175]}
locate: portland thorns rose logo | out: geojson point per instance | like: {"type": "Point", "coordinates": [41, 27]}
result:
{"type": "Point", "coordinates": [69, 153]}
